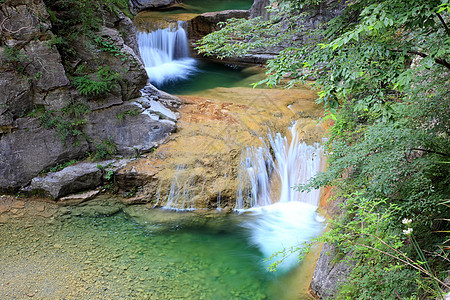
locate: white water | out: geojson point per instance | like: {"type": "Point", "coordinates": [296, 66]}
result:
{"type": "Point", "coordinates": [291, 220]}
{"type": "Point", "coordinates": [294, 162]}
{"type": "Point", "coordinates": [181, 194]}
{"type": "Point", "coordinates": [165, 53]}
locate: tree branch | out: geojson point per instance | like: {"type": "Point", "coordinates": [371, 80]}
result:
{"type": "Point", "coordinates": [442, 62]}
{"type": "Point", "coordinates": [431, 151]}
{"type": "Point", "coordinates": [443, 23]}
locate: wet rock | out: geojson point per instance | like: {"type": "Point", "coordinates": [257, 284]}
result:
{"type": "Point", "coordinates": [329, 275]}
{"type": "Point", "coordinates": [168, 100]}
{"type": "Point", "coordinates": [207, 22]}
{"type": "Point", "coordinates": [78, 198]}
{"type": "Point", "coordinates": [75, 178]}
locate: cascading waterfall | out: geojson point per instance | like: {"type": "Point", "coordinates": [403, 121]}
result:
{"type": "Point", "coordinates": [181, 194]}
{"type": "Point", "coordinates": [292, 220]}
{"type": "Point", "coordinates": [165, 53]}
{"type": "Point", "coordinates": [293, 162]}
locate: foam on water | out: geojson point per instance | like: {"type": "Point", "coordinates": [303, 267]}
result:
{"type": "Point", "coordinates": [292, 219]}
{"type": "Point", "coordinates": [283, 226]}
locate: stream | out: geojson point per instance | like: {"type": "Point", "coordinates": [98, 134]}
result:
{"type": "Point", "coordinates": [264, 142]}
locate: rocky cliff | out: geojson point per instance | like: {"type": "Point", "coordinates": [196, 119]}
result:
{"type": "Point", "coordinates": [69, 74]}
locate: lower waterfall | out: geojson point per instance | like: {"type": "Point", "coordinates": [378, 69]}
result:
{"type": "Point", "coordinates": [273, 170]}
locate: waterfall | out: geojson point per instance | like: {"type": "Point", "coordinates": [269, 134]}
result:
{"type": "Point", "coordinates": [291, 163]}
{"type": "Point", "coordinates": [165, 53]}
{"type": "Point", "coordinates": [181, 194]}
{"type": "Point", "coordinates": [273, 169]}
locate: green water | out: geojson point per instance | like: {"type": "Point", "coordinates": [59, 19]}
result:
{"type": "Point", "coordinates": [155, 254]}
{"type": "Point", "coordinates": [201, 6]}
{"type": "Point", "coordinates": [211, 75]}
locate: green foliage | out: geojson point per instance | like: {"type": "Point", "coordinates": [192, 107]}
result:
{"type": "Point", "coordinates": [98, 84]}
{"type": "Point", "coordinates": [129, 112]}
{"type": "Point", "coordinates": [104, 150]}
{"type": "Point", "coordinates": [77, 22]}
{"type": "Point", "coordinates": [107, 45]}
{"type": "Point", "coordinates": [65, 127]}
{"type": "Point", "coordinates": [14, 58]}
{"type": "Point", "coordinates": [68, 123]}
{"type": "Point", "coordinates": [59, 167]}
{"type": "Point", "coordinates": [382, 70]}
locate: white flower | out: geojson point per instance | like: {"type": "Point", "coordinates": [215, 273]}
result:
{"type": "Point", "coordinates": [407, 231]}
{"type": "Point", "coordinates": [406, 221]}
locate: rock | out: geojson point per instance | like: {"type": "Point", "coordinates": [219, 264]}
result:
{"type": "Point", "coordinates": [20, 20]}
{"type": "Point", "coordinates": [72, 179]}
{"type": "Point", "coordinates": [29, 149]}
{"type": "Point", "coordinates": [207, 22]}
{"type": "Point", "coordinates": [33, 75]}
{"type": "Point", "coordinates": [128, 65]}
{"type": "Point", "coordinates": [168, 100]}
{"type": "Point", "coordinates": [15, 97]}
{"type": "Point", "coordinates": [130, 133]}
{"type": "Point", "coordinates": [155, 109]}
{"type": "Point", "coordinates": [45, 66]}
{"type": "Point", "coordinates": [78, 198]}
{"type": "Point", "coordinates": [139, 5]}
{"type": "Point", "coordinates": [328, 276]}
{"type": "Point", "coordinates": [258, 9]}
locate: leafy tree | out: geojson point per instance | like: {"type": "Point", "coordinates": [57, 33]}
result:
{"type": "Point", "coordinates": [382, 71]}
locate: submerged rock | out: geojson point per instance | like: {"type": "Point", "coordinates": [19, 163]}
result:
{"type": "Point", "coordinates": [78, 198]}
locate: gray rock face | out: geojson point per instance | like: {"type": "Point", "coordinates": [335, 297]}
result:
{"type": "Point", "coordinates": [79, 177]}
{"type": "Point", "coordinates": [45, 66]}
{"type": "Point", "coordinates": [32, 74]}
{"type": "Point", "coordinates": [29, 149]}
{"type": "Point", "coordinates": [168, 100]}
{"type": "Point", "coordinates": [126, 130]}
{"type": "Point", "coordinates": [139, 5]}
{"type": "Point", "coordinates": [328, 276]}
{"type": "Point", "coordinates": [207, 22]}
{"type": "Point", "coordinates": [258, 9]}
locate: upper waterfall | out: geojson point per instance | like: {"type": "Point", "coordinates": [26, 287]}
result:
{"type": "Point", "coordinates": [165, 53]}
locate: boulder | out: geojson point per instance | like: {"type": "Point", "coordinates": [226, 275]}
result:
{"type": "Point", "coordinates": [139, 5]}
{"type": "Point", "coordinates": [329, 275]}
{"type": "Point", "coordinates": [130, 132]}
{"type": "Point", "coordinates": [72, 179]}
{"type": "Point", "coordinates": [168, 100]}
{"type": "Point", "coordinates": [23, 21]}
{"type": "Point", "coordinates": [30, 148]}
{"type": "Point", "coordinates": [207, 22]}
